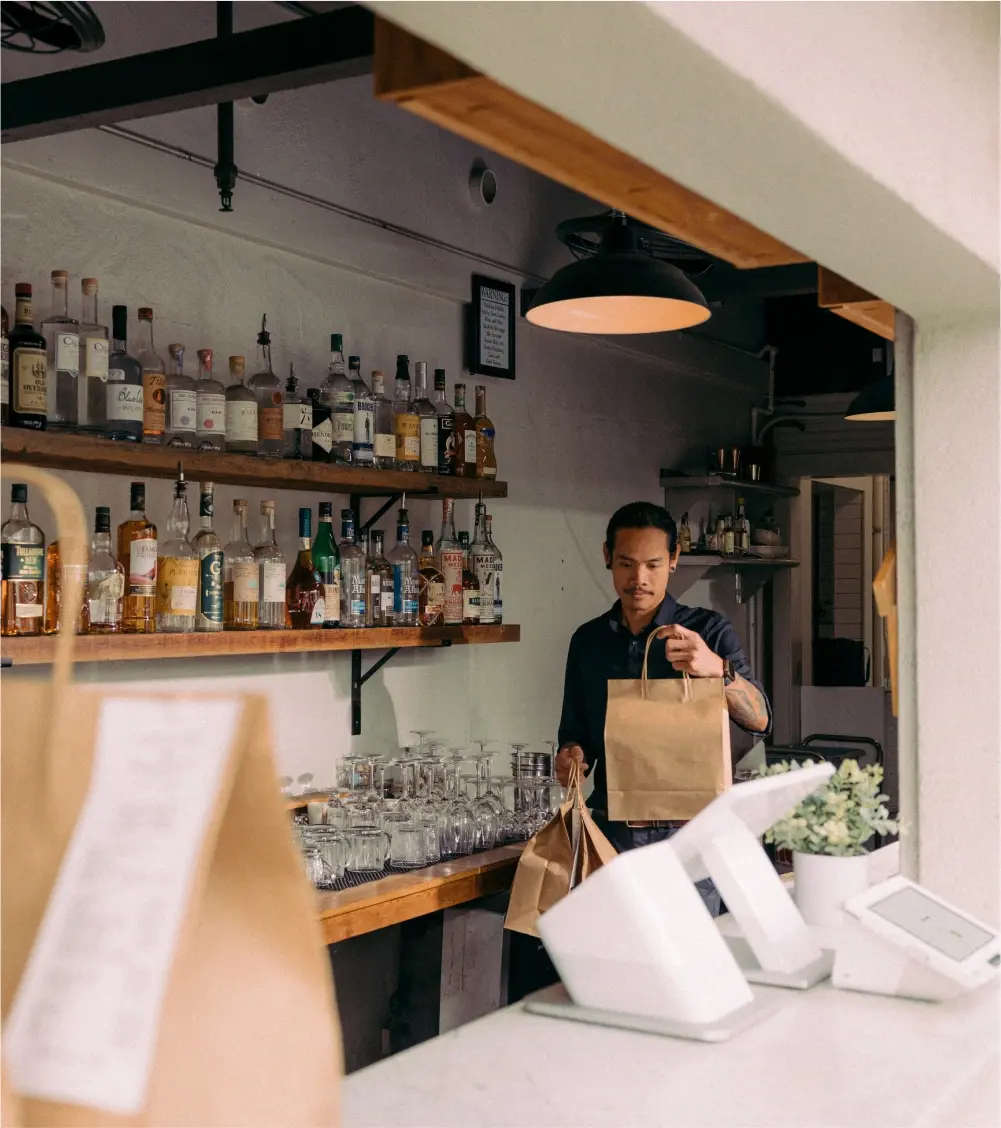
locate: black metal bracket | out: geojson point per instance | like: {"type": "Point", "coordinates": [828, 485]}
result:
{"type": "Point", "coordinates": [358, 679]}
{"type": "Point", "coordinates": [383, 509]}
{"type": "Point", "coordinates": [225, 170]}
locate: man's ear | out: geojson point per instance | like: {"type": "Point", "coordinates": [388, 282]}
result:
{"type": "Point", "coordinates": [608, 557]}
{"type": "Point", "coordinates": [674, 557]}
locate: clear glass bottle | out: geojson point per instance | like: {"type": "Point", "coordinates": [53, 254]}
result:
{"type": "Point", "coordinates": [431, 601]}
{"type": "Point", "coordinates": [268, 392]}
{"type": "Point", "coordinates": [406, 421]}
{"type": "Point", "coordinates": [741, 529]}
{"type": "Point", "coordinates": [177, 569]}
{"type": "Point", "coordinates": [181, 425]}
{"type": "Point", "coordinates": [384, 445]}
{"type": "Point", "coordinates": [240, 572]}
{"type": "Point", "coordinates": [481, 564]}
{"type": "Point", "coordinates": [62, 358]}
{"type": "Point", "coordinates": [272, 612]}
{"type": "Point", "coordinates": [208, 548]}
{"type": "Point", "coordinates": [447, 450]}
{"type": "Point", "coordinates": [486, 459]}
{"type": "Point", "coordinates": [428, 420]}
{"type": "Point", "coordinates": [93, 362]}
{"type": "Point", "coordinates": [685, 535]}
{"type": "Point", "coordinates": [498, 573]}
{"type": "Point", "coordinates": [449, 555]}
{"type": "Point", "coordinates": [211, 405]}
{"type": "Point", "coordinates": [241, 411]}
{"type": "Point", "coordinates": [28, 366]}
{"type": "Point", "coordinates": [353, 574]}
{"type": "Point", "coordinates": [154, 378]}
{"type": "Point", "coordinates": [465, 436]}
{"type": "Point", "coordinates": [470, 586]}
{"type": "Point", "coordinates": [137, 554]}
{"type": "Point", "coordinates": [327, 562]}
{"type": "Point", "coordinates": [724, 535]}
{"type": "Point", "coordinates": [363, 441]}
{"type": "Point", "coordinates": [102, 603]}
{"type": "Point", "coordinates": [123, 392]}
{"type": "Point", "coordinates": [4, 367]}
{"type": "Point", "coordinates": [304, 589]}
{"type": "Point", "coordinates": [323, 427]}
{"type": "Point", "coordinates": [380, 583]}
{"type": "Point", "coordinates": [22, 544]}
{"type": "Point", "coordinates": [406, 578]}
{"type": "Point", "coordinates": [297, 442]}
{"type": "Point", "coordinates": [337, 393]}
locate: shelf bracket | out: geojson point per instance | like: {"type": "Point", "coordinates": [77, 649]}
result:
{"type": "Point", "coordinates": [358, 679]}
{"type": "Point", "coordinates": [377, 515]}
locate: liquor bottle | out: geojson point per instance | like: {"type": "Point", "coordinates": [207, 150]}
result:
{"type": "Point", "coordinates": [154, 401]}
{"type": "Point", "coordinates": [431, 600]}
{"type": "Point", "coordinates": [470, 586]}
{"type": "Point", "coordinates": [180, 428]}
{"type": "Point", "coordinates": [240, 573]}
{"type": "Point", "coordinates": [137, 554]}
{"type": "Point", "coordinates": [241, 411]}
{"type": "Point", "coordinates": [268, 393]}
{"type": "Point", "coordinates": [62, 358]}
{"type": "Point", "coordinates": [406, 579]}
{"type": "Point", "coordinates": [52, 618]}
{"type": "Point", "coordinates": [327, 562]}
{"type": "Point", "coordinates": [210, 396]}
{"type": "Point", "coordinates": [685, 534]}
{"type": "Point", "coordinates": [102, 603]}
{"type": "Point", "coordinates": [29, 380]}
{"type": "Point", "coordinates": [363, 440]}
{"type": "Point", "coordinates": [297, 441]}
{"type": "Point", "coordinates": [486, 459]}
{"type": "Point", "coordinates": [465, 436]}
{"type": "Point", "coordinates": [323, 427]}
{"type": "Point", "coordinates": [385, 438]}
{"type": "Point", "coordinates": [353, 574]}
{"type": "Point", "coordinates": [22, 547]}
{"type": "Point", "coordinates": [742, 529]}
{"type": "Point", "coordinates": [428, 420]}
{"type": "Point", "coordinates": [123, 408]}
{"type": "Point", "coordinates": [380, 583]}
{"type": "Point", "coordinates": [406, 421]}
{"type": "Point", "coordinates": [724, 535]}
{"type": "Point", "coordinates": [498, 573]}
{"type": "Point", "coordinates": [481, 564]}
{"type": "Point", "coordinates": [208, 547]}
{"type": "Point", "coordinates": [177, 569]}
{"type": "Point", "coordinates": [304, 589]}
{"type": "Point", "coordinates": [4, 367]}
{"type": "Point", "coordinates": [448, 552]}
{"type": "Point", "coordinates": [92, 362]}
{"type": "Point", "coordinates": [447, 452]}
{"type": "Point", "coordinates": [337, 393]}
{"type": "Point", "coordinates": [272, 612]}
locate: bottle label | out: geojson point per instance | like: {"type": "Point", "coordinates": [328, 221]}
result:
{"type": "Point", "coordinates": [30, 382]}
{"type": "Point", "coordinates": [68, 352]}
{"type": "Point", "coordinates": [124, 402]}
{"type": "Point", "coordinates": [4, 370]}
{"type": "Point", "coordinates": [270, 423]}
{"type": "Point", "coordinates": [176, 586]}
{"type": "Point", "coordinates": [344, 426]}
{"type": "Point", "coordinates": [316, 616]}
{"type": "Point", "coordinates": [104, 606]}
{"type": "Point", "coordinates": [273, 581]}
{"type": "Point", "coordinates": [429, 442]}
{"type": "Point", "coordinates": [211, 413]}
{"type": "Point", "coordinates": [95, 358]}
{"type": "Point", "coordinates": [471, 605]}
{"type": "Point", "coordinates": [24, 562]}
{"type": "Point", "coordinates": [332, 598]}
{"type": "Point", "coordinates": [245, 579]}
{"type": "Point", "coordinates": [183, 410]}
{"type": "Point", "coordinates": [446, 443]}
{"type": "Point", "coordinates": [385, 446]}
{"type": "Point", "coordinates": [407, 429]}
{"type": "Point", "coordinates": [450, 565]}
{"type": "Point", "coordinates": [498, 602]}
{"type": "Point", "coordinates": [323, 435]}
{"type": "Point", "coordinates": [436, 599]}
{"type": "Point", "coordinates": [356, 598]}
{"type": "Point", "coordinates": [241, 421]}
{"type": "Point", "coordinates": [364, 425]}
{"type": "Point", "coordinates": [154, 403]}
{"type": "Point", "coordinates": [469, 446]}
{"type": "Point", "coordinates": [375, 586]}
{"type": "Point", "coordinates": [210, 589]}
{"type": "Point", "coordinates": [388, 601]}
{"type": "Point", "coordinates": [29, 610]}
{"type": "Point", "coordinates": [297, 416]}
{"type": "Point", "coordinates": [483, 568]}
{"type": "Point", "coordinates": [405, 590]}
{"type": "Point", "coordinates": [142, 566]}
{"type": "Point", "coordinates": [344, 397]}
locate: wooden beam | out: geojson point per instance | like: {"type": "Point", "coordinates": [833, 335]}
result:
{"type": "Point", "coordinates": [432, 84]}
{"type": "Point", "coordinates": [855, 304]}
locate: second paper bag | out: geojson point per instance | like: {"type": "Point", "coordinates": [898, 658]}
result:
{"type": "Point", "coordinates": [667, 746]}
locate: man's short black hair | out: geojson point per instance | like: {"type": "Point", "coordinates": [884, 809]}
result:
{"type": "Point", "coordinates": [642, 515]}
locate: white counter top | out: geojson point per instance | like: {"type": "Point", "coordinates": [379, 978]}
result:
{"type": "Point", "coordinates": [828, 1059]}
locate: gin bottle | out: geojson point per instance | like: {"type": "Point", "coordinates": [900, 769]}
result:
{"type": "Point", "coordinates": [28, 375]}
{"type": "Point", "coordinates": [102, 604]}
{"type": "Point", "coordinates": [62, 358]}
{"type": "Point", "coordinates": [93, 362]}
{"type": "Point", "coordinates": [241, 411]}
{"type": "Point", "coordinates": [240, 572]}
{"type": "Point", "coordinates": [123, 412]}
{"type": "Point", "coordinates": [428, 420]}
{"type": "Point", "coordinates": [406, 578]}
{"type": "Point", "coordinates": [271, 580]}
{"type": "Point", "coordinates": [353, 574]}
{"type": "Point", "coordinates": [211, 405]}
{"type": "Point", "coordinates": [385, 438]}
{"type": "Point", "coordinates": [181, 426]}
{"type": "Point", "coordinates": [449, 554]}
{"type": "Point", "coordinates": [268, 393]}
{"type": "Point", "coordinates": [297, 442]}
{"type": "Point", "coordinates": [327, 562]}
{"type": "Point", "coordinates": [210, 569]}
{"type": "Point", "coordinates": [406, 421]}
{"type": "Point", "coordinates": [498, 574]}
{"type": "Point", "coordinates": [380, 584]}
{"type": "Point", "coordinates": [177, 569]}
{"type": "Point", "coordinates": [23, 549]}
{"type": "Point", "coordinates": [446, 425]}
{"type": "Point", "coordinates": [337, 393]}
{"type": "Point", "coordinates": [304, 590]}
{"type": "Point", "coordinates": [363, 441]}
{"type": "Point", "coordinates": [154, 401]}
{"type": "Point", "coordinates": [481, 564]}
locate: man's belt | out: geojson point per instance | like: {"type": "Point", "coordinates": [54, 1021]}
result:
{"type": "Point", "coordinates": [656, 824]}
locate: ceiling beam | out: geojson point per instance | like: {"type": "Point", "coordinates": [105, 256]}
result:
{"type": "Point", "coordinates": [855, 304]}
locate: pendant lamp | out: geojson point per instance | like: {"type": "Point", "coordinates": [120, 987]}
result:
{"type": "Point", "coordinates": [619, 289]}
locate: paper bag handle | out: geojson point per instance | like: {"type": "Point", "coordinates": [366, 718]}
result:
{"type": "Point", "coordinates": [646, 659]}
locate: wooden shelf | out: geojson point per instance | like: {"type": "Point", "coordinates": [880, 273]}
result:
{"type": "Point", "coordinates": [102, 456]}
{"type": "Point", "coordinates": [134, 648]}
{"type": "Point", "coordinates": [708, 560]}
{"type": "Point", "coordinates": [672, 481]}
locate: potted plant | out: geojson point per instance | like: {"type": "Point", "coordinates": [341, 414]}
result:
{"type": "Point", "coordinates": [827, 834]}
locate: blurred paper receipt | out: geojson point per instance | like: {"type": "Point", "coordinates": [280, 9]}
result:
{"type": "Point", "coordinates": [84, 1022]}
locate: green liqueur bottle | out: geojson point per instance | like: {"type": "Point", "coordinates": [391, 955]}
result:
{"type": "Point", "coordinates": [327, 562]}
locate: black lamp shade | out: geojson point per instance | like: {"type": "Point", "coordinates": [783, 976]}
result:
{"type": "Point", "coordinates": [622, 291]}
{"type": "Point", "coordinates": [874, 404]}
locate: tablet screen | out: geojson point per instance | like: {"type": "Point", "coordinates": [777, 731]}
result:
{"type": "Point", "coordinates": [934, 924]}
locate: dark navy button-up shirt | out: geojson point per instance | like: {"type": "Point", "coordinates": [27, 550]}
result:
{"type": "Point", "coordinates": [605, 648]}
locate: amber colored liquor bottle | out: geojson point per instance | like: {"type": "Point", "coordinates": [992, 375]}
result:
{"type": "Point", "coordinates": [53, 590]}
{"type": "Point", "coordinates": [470, 587]}
{"type": "Point", "coordinates": [486, 459]}
{"type": "Point", "coordinates": [23, 569]}
{"type": "Point", "coordinates": [137, 548]}
{"type": "Point", "coordinates": [465, 436]}
{"type": "Point", "coordinates": [431, 597]}
{"type": "Point", "coordinates": [304, 589]}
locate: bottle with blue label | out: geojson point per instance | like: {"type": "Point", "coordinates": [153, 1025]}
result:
{"type": "Point", "coordinates": [406, 575]}
{"type": "Point", "coordinates": [354, 574]}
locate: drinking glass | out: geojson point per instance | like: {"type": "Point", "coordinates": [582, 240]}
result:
{"type": "Point", "coordinates": [407, 848]}
{"type": "Point", "coordinates": [433, 828]}
{"type": "Point", "coordinates": [335, 813]}
{"type": "Point", "coordinates": [316, 867]}
{"type": "Point", "coordinates": [485, 826]}
{"type": "Point", "coordinates": [368, 848]}
{"type": "Point", "coordinates": [332, 843]}
{"type": "Point", "coordinates": [460, 824]}
{"type": "Point", "coordinates": [422, 735]}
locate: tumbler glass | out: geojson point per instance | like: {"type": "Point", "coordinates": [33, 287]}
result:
{"type": "Point", "coordinates": [332, 843]}
{"type": "Point", "coordinates": [317, 870]}
{"type": "Point", "coordinates": [407, 848]}
{"type": "Point", "coordinates": [368, 848]}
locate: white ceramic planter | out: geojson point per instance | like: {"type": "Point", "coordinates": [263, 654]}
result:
{"type": "Point", "coordinates": [824, 883]}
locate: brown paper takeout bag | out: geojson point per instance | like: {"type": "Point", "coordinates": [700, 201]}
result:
{"type": "Point", "coordinates": [556, 860]}
{"type": "Point", "coordinates": [667, 746]}
{"type": "Point", "coordinates": [247, 1031]}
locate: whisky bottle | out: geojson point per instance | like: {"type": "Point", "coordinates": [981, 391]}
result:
{"type": "Point", "coordinates": [465, 436]}
{"type": "Point", "coordinates": [137, 554]}
{"type": "Point", "coordinates": [62, 336]}
{"type": "Point", "coordinates": [29, 380]}
{"type": "Point", "coordinates": [481, 564]}
{"type": "Point", "coordinates": [446, 425]}
{"type": "Point", "coordinates": [210, 400]}
{"type": "Point", "coordinates": [498, 573]}
{"type": "Point", "coordinates": [52, 619]}
{"type": "Point", "coordinates": [385, 437]}
{"type": "Point", "coordinates": [406, 421]}
{"type": "Point", "coordinates": [406, 581]}
{"type": "Point", "coordinates": [123, 409]}
{"type": "Point", "coordinates": [431, 601]}
{"type": "Point", "coordinates": [304, 589]}
{"type": "Point", "coordinates": [272, 613]}
{"type": "Point", "coordinates": [470, 586]}
{"type": "Point", "coordinates": [102, 604]}
{"type": "Point", "coordinates": [181, 422]}
{"type": "Point", "coordinates": [241, 411]}
{"type": "Point", "coordinates": [449, 556]}
{"type": "Point", "coordinates": [177, 569]}
{"type": "Point", "coordinates": [297, 411]}
{"type": "Point", "coordinates": [210, 565]}
{"type": "Point", "coordinates": [154, 397]}
{"type": "Point", "coordinates": [327, 562]}
{"type": "Point", "coordinates": [241, 572]}
{"type": "Point", "coordinates": [380, 583]}
{"type": "Point", "coordinates": [685, 534]}
{"type": "Point", "coordinates": [268, 392]}
{"type": "Point", "coordinates": [93, 362]}
{"type": "Point", "coordinates": [486, 459]}
{"type": "Point", "coordinates": [22, 546]}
